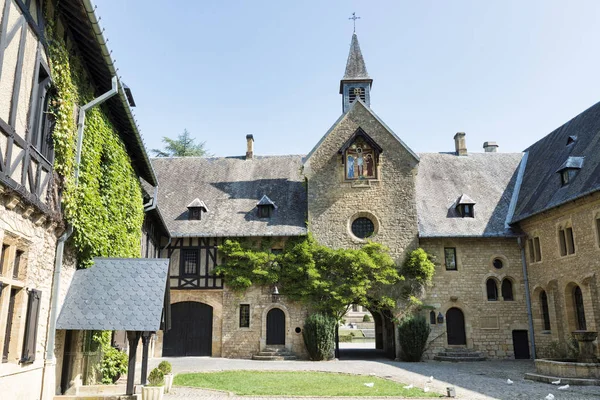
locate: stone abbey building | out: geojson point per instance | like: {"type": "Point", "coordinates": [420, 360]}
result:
{"type": "Point", "coordinates": [516, 236]}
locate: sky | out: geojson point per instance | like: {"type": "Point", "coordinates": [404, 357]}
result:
{"type": "Point", "coordinates": [504, 71]}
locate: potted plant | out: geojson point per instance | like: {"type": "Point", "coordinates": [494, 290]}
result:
{"type": "Point", "coordinates": [154, 390]}
{"type": "Point", "coordinates": [165, 367]}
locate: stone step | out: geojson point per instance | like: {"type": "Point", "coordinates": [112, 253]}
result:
{"type": "Point", "coordinates": [274, 353]}
{"type": "Point", "coordinates": [458, 350]}
{"type": "Point", "coordinates": [459, 354]}
{"type": "Point", "coordinates": [458, 358]}
{"type": "Point", "coordinates": [273, 358]}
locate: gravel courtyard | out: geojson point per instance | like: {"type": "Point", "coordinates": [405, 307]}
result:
{"type": "Point", "coordinates": [477, 380]}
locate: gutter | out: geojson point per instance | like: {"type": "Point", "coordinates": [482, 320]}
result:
{"type": "Point", "coordinates": [49, 359]}
{"type": "Point", "coordinates": [521, 242]}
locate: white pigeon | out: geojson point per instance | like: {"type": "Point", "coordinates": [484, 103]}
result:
{"type": "Point", "coordinates": [372, 374]}
{"type": "Point", "coordinates": [426, 389]}
{"type": "Point", "coordinates": [563, 387]}
{"type": "Point", "coordinates": [509, 381]}
{"type": "Point", "coordinates": [409, 386]}
{"type": "Point", "coordinates": [556, 382]}
{"type": "Point", "coordinates": [430, 379]}
{"type": "Point", "coordinates": [370, 384]}
{"type": "Point", "coordinates": [549, 397]}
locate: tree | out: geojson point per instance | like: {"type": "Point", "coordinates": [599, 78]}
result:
{"type": "Point", "coordinates": [183, 146]}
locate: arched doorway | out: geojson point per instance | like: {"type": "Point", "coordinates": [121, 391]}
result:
{"type": "Point", "coordinates": [275, 327]}
{"type": "Point", "coordinates": [455, 327]}
{"type": "Point", "coordinates": [191, 330]}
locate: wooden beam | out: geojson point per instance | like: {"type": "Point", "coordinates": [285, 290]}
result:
{"type": "Point", "coordinates": [18, 74]}
{"type": "Point", "coordinates": [145, 343]}
{"type": "Point", "coordinates": [133, 337]}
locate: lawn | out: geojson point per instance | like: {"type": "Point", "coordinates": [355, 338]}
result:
{"type": "Point", "coordinates": [281, 383]}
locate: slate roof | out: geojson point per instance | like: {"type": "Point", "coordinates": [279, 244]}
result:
{"type": "Point", "coordinates": [231, 187]}
{"type": "Point", "coordinates": [487, 178]}
{"type": "Point", "coordinates": [541, 188]}
{"type": "Point", "coordinates": [355, 66]}
{"type": "Point", "coordinates": [116, 294]}
{"type": "Point", "coordinates": [571, 163]}
{"type": "Point", "coordinates": [197, 203]}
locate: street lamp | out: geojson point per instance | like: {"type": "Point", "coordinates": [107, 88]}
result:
{"type": "Point", "coordinates": [275, 295]}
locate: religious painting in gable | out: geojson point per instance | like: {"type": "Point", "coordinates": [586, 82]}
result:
{"type": "Point", "coordinates": [360, 160]}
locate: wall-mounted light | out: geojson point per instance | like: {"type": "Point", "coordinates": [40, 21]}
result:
{"type": "Point", "coordinates": [440, 318]}
{"type": "Point", "coordinates": [275, 295]}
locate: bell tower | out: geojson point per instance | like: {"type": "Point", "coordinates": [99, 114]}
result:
{"type": "Point", "coordinates": [356, 83]}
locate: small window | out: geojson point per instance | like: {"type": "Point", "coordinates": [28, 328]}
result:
{"type": "Point", "coordinates": [17, 263]}
{"type": "Point", "coordinates": [531, 251]}
{"type": "Point", "coordinates": [545, 311]}
{"type": "Point", "coordinates": [264, 211]}
{"type": "Point", "coordinates": [538, 249]}
{"type": "Point", "coordinates": [41, 135]}
{"type": "Point", "coordinates": [195, 214]}
{"type": "Point", "coordinates": [492, 290]}
{"type": "Point", "coordinates": [564, 177]}
{"type": "Point", "coordinates": [570, 241]}
{"type": "Point", "coordinates": [363, 227]}
{"type": "Point", "coordinates": [597, 232]}
{"type": "Point", "coordinates": [466, 210]}
{"type": "Point", "coordinates": [31, 326]}
{"type": "Point", "coordinates": [507, 290]}
{"type": "Point", "coordinates": [450, 258]}
{"type": "Point", "coordinates": [244, 315]}
{"type": "Point", "coordinates": [3, 257]}
{"type": "Point", "coordinates": [189, 262]}
{"type": "Point", "coordinates": [498, 264]}
{"type": "Point", "coordinates": [432, 317]}
{"type": "Point", "coordinates": [9, 322]}
{"type": "Point", "coordinates": [563, 242]}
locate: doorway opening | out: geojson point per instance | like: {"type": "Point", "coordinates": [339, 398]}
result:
{"type": "Point", "coordinates": [365, 334]}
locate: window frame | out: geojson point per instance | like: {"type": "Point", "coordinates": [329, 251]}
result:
{"type": "Point", "coordinates": [509, 290]}
{"type": "Point", "coordinates": [570, 238]}
{"type": "Point", "coordinates": [491, 296]}
{"type": "Point", "coordinates": [360, 218]}
{"type": "Point", "coordinates": [453, 249]}
{"type": "Point", "coordinates": [264, 211]}
{"type": "Point", "coordinates": [562, 239]}
{"type": "Point", "coordinates": [537, 249]}
{"type": "Point", "coordinates": [43, 123]}
{"type": "Point", "coordinates": [246, 320]}
{"type": "Point", "coordinates": [182, 261]}
{"type": "Point", "coordinates": [597, 219]}
{"type": "Point", "coordinates": [545, 311]}
{"type": "Point", "coordinates": [579, 304]}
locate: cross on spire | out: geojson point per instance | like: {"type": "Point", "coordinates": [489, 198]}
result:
{"type": "Point", "coordinates": [354, 18]}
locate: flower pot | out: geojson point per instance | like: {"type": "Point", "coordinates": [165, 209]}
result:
{"type": "Point", "coordinates": [152, 392]}
{"type": "Point", "coordinates": [168, 382]}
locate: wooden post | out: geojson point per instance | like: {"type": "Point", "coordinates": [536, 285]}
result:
{"type": "Point", "coordinates": [134, 338]}
{"type": "Point", "coordinates": [145, 343]}
{"type": "Point", "coordinates": [337, 340]}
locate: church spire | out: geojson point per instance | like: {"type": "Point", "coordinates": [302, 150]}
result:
{"type": "Point", "coordinates": [356, 82]}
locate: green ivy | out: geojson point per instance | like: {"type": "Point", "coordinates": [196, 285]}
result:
{"type": "Point", "coordinates": [105, 209]}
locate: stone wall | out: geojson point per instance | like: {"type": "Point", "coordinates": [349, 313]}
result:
{"type": "Point", "coordinates": [36, 238]}
{"type": "Point", "coordinates": [489, 324]}
{"type": "Point", "coordinates": [558, 275]}
{"type": "Point", "coordinates": [389, 201]}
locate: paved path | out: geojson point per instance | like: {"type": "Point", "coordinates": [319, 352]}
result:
{"type": "Point", "coordinates": [475, 380]}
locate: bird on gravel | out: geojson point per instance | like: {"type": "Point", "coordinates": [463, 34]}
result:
{"type": "Point", "coordinates": [556, 382]}
{"type": "Point", "coordinates": [426, 389]}
{"type": "Point", "coordinates": [409, 386]}
{"type": "Point", "coordinates": [430, 379]}
{"type": "Point", "coordinates": [563, 387]}
{"type": "Point", "coordinates": [370, 384]}
{"type": "Point", "coordinates": [509, 382]}
{"type": "Point", "coordinates": [549, 397]}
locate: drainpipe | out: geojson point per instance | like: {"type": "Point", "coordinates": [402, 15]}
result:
{"type": "Point", "coordinates": [527, 295]}
{"type": "Point", "coordinates": [60, 247]}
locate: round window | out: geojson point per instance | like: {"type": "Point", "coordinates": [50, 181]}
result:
{"type": "Point", "coordinates": [498, 263]}
{"type": "Point", "coordinates": [363, 227]}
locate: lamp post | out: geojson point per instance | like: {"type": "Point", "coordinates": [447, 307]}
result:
{"type": "Point", "coordinates": [275, 295]}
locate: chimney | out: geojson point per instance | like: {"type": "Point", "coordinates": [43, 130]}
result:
{"type": "Point", "coordinates": [460, 144]}
{"type": "Point", "coordinates": [249, 147]}
{"type": "Point", "coordinates": [490, 147]}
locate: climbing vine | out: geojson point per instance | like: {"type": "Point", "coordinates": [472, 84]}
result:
{"type": "Point", "coordinates": [105, 209]}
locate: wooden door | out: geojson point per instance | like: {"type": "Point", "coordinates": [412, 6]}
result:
{"type": "Point", "coordinates": [455, 327]}
{"type": "Point", "coordinates": [521, 344]}
{"type": "Point", "coordinates": [191, 330]}
{"type": "Point", "coordinates": [275, 327]}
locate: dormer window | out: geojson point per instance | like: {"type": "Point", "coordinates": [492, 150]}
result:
{"type": "Point", "coordinates": [571, 139]}
{"type": "Point", "coordinates": [569, 169]}
{"type": "Point", "coordinates": [265, 207]}
{"type": "Point", "coordinates": [195, 209]}
{"type": "Point", "coordinates": [465, 206]}
{"type": "Point", "coordinates": [360, 156]}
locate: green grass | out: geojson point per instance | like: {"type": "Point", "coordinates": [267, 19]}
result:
{"type": "Point", "coordinates": [355, 332]}
{"type": "Point", "coordinates": [255, 383]}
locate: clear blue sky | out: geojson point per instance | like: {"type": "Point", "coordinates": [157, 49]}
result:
{"type": "Point", "coordinates": [509, 71]}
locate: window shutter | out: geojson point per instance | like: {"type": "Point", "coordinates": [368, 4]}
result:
{"type": "Point", "coordinates": [31, 326]}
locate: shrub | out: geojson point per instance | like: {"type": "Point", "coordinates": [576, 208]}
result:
{"type": "Point", "coordinates": [156, 378]}
{"type": "Point", "coordinates": [366, 318]}
{"type": "Point", "coordinates": [165, 367]}
{"type": "Point", "coordinates": [413, 332]}
{"type": "Point", "coordinates": [113, 365]}
{"type": "Point", "coordinates": [319, 336]}
{"type": "Point", "coordinates": [345, 338]}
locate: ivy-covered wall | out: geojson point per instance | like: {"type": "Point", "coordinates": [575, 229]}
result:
{"type": "Point", "coordinates": [105, 209]}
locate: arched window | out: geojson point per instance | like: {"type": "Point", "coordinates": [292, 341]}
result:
{"type": "Point", "coordinates": [492, 290]}
{"type": "Point", "coordinates": [507, 290]}
{"type": "Point", "coordinates": [545, 312]}
{"type": "Point", "coordinates": [432, 317]}
{"type": "Point", "coordinates": [579, 311]}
